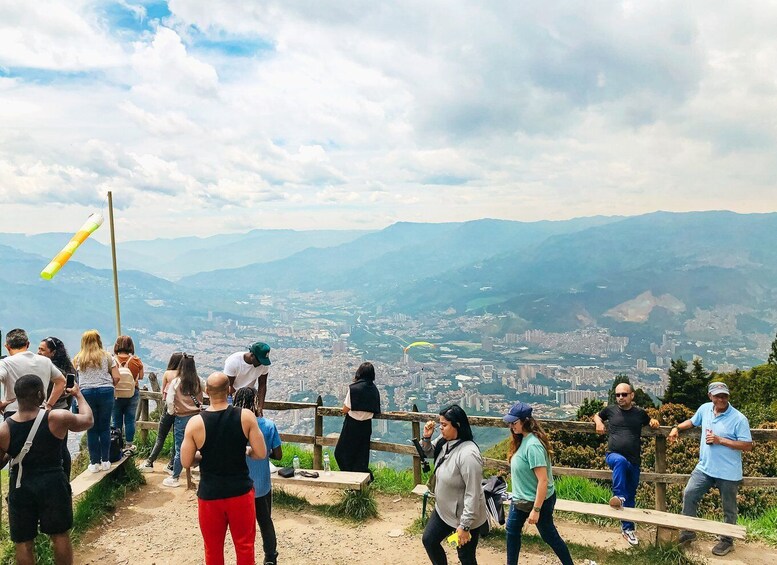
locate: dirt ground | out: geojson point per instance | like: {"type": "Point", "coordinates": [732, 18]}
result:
{"type": "Point", "coordinates": [158, 526]}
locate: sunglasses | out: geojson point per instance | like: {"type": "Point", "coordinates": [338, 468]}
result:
{"type": "Point", "coordinates": [53, 343]}
{"type": "Point", "coordinates": [622, 394]}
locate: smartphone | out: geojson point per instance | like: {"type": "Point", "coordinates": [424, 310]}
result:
{"type": "Point", "coordinates": [71, 380]}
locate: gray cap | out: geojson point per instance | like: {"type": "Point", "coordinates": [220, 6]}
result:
{"type": "Point", "coordinates": [718, 388]}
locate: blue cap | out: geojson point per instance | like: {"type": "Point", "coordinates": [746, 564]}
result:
{"type": "Point", "coordinates": [519, 411]}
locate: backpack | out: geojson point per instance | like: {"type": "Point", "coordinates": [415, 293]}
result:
{"type": "Point", "coordinates": [117, 445]}
{"type": "Point", "coordinates": [125, 388]}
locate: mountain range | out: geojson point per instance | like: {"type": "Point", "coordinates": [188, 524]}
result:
{"type": "Point", "coordinates": [555, 276]}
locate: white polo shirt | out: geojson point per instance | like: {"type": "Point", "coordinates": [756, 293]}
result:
{"type": "Point", "coordinates": [25, 363]}
{"type": "Point", "coordinates": [245, 374]}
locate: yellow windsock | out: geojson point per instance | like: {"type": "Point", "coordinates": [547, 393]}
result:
{"type": "Point", "coordinates": [90, 226]}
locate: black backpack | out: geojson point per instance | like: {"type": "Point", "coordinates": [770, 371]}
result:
{"type": "Point", "coordinates": [117, 445]}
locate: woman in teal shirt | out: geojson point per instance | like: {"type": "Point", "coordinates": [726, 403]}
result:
{"type": "Point", "coordinates": [534, 494]}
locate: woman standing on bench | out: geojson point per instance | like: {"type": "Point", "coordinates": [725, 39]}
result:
{"type": "Point", "coordinates": [361, 403]}
{"type": "Point", "coordinates": [534, 495]}
{"type": "Point", "coordinates": [460, 505]}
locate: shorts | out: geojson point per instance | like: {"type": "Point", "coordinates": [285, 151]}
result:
{"type": "Point", "coordinates": [44, 499]}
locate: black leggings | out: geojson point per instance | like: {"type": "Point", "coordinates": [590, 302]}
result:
{"type": "Point", "coordinates": [436, 531]}
{"type": "Point", "coordinates": [165, 424]}
{"type": "Point", "coordinates": [263, 506]}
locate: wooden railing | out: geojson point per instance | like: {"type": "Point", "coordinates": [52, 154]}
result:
{"type": "Point", "coordinates": [659, 477]}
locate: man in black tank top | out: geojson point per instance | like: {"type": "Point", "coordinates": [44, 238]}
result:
{"type": "Point", "coordinates": [223, 436]}
{"type": "Point", "coordinates": [42, 495]}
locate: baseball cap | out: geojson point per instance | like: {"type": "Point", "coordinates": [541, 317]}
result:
{"type": "Point", "coordinates": [519, 411]}
{"type": "Point", "coordinates": [718, 388]}
{"type": "Point", "coordinates": [261, 351]}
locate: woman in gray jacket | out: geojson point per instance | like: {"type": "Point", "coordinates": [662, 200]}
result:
{"type": "Point", "coordinates": [460, 505]}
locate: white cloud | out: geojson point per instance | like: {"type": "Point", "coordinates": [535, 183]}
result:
{"type": "Point", "coordinates": [300, 114]}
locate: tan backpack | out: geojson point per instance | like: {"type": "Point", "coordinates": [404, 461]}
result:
{"type": "Point", "coordinates": [125, 388]}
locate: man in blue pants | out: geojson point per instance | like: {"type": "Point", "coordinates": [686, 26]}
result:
{"type": "Point", "coordinates": [624, 445]}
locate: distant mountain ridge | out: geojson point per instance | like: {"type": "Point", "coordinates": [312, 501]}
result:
{"type": "Point", "coordinates": [654, 271]}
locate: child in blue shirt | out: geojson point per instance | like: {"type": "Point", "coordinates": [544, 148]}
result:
{"type": "Point", "coordinates": [259, 469]}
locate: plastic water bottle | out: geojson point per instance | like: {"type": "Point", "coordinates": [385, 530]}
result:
{"type": "Point", "coordinates": [295, 464]}
{"type": "Point", "coordinates": [327, 466]}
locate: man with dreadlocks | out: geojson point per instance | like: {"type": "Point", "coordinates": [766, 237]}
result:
{"type": "Point", "coordinates": [259, 469]}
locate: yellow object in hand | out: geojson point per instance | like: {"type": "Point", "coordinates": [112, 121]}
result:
{"type": "Point", "coordinates": [453, 539]}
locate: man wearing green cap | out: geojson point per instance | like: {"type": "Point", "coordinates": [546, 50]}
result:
{"type": "Point", "coordinates": [249, 369]}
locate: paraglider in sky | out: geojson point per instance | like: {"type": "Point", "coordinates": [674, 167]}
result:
{"type": "Point", "coordinates": [419, 344]}
{"type": "Point", "coordinates": [90, 226]}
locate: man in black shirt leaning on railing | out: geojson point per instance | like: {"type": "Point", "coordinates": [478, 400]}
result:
{"type": "Point", "coordinates": [624, 444]}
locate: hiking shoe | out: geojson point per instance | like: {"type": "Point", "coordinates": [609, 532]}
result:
{"type": "Point", "coordinates": [723, 547]}
{"type": "Point", "coordinates": [105, 465]}
{"type": "Point", "coordinates": [617, 502]}
{"type": "Point", "coordinates": [94, 468]}
{"type": "Point", "coordinates": [686, 537]}
{"type": "Point", "coordinates": [171, 482]}
{"type": "Point", "coordinates": [147, 467]}
{"type": "Point", "coordinates": [631, 537]}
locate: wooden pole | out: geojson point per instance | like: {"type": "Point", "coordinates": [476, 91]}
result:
{"type": "Point", "coordinates": [663, 535]}
{"type": "Point", "coordinates": [115, 270]}
{"type": "Point", "coordinates": [318, 431]}
{"type": "Point", "coordinates": [416, 434]}
{"type": "Point", "coordinates": [142, 415]}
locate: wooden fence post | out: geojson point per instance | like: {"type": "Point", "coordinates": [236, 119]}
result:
{"type": "Point", "coordinates": [663, 535]}
{"type": "Point", "coordinates": [416, 433]}
{"type": "Point", "coordinates": [318, 431]}
{"type": "Point", "coordinates": [142, 415]}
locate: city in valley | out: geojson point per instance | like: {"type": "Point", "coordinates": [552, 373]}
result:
{"type": "Point", "coordinates": [318, 339]}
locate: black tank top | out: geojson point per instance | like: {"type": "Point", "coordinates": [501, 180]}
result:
{"type": "Point", "coordinates": [223, 469]}
{"type": "Point", "coordinates": [45, 455]}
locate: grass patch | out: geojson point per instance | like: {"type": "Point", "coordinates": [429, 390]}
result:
{"type": "Point", "coordinates": [96, 503]}
{"type": "Point", "coordinates": [763, 528]}
{"type": "Point", "coordinates": [353, 506]}
{"type": "Point", "coordinates": [145, 447]}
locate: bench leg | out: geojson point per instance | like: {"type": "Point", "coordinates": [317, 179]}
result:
{"type": "Point", "coordinates": [666, 536]}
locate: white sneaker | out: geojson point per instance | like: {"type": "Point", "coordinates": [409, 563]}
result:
{"type": "Point", "coordinates": [94, 468]}
{"type": "Point", "coordinates": [105, 465]}
{"type": "Point", "coordinates": [631, 537]}
{"type": "Point", "coordinates": [147, 467]}
{"type": "Point", "coordinates": [171, 482]}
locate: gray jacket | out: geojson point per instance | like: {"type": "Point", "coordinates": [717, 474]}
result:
{"type": "Point", "coordinates": [458, 491]}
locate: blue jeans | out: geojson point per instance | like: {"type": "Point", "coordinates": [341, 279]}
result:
{"type": "Point", "coordinates": [625, 480]}
{"type": "Point", "coordinates": [517, 518]}
{"type": "Point", "coordinates": [98, 437]}
{"type": "Point", "coordinates": [178, 429]}
{"type": "Point", "coordinates": [699, 484]}
{"type": "Point", "coordinates": [124, 415]}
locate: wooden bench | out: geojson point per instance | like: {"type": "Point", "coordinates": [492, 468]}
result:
{"type": "Point", "coordinates": [87, 479]}
{"type": "Point", "coordinates": [642, 515]}
{"type": "Point", "coordinates": [334, 479]}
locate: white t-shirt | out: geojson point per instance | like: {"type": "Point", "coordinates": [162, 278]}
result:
{"type": "Point", "coordinates": [26, 363]}
{"type": "Point", "coordinates": [360, 415]}
{"type": "Point", "coordinates": [245, 374]}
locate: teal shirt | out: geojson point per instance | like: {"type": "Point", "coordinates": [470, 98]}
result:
{"type": "Point", "coordinates": [530, 455]}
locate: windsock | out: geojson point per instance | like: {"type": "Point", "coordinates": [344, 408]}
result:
{"type": "Point", "coordinates": [90, 226]}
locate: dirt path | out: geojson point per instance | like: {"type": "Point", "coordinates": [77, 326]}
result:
{"type": "Point", "coordinates": [158, 525]}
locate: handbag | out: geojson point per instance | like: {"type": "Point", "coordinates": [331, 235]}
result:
{"type": "Point", "coordinates": [524, 505]}
{"type": "Point", "coordinates": [286, 472]}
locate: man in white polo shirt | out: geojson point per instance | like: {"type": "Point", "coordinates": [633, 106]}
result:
{"type": "Point", "coordinates": [21, 361]}
{"type": "Point", "coordinates": [249, 369]}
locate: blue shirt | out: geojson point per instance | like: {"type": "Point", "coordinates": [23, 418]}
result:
{"type": "Point", "coordinates": [719, 461]}
{"type": "Point", "coordinates": [259, 469]}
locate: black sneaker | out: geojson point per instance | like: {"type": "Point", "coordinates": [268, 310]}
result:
{"type": "Point", "coordinates": [686, 537]}
{"type": "Point", "coordinates": [723, 547]}
{"type": "Point", "coordinates": [147, 467]}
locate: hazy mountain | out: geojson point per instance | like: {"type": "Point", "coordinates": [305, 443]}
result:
{"type": "Point", "coordinates": [391, 258]}
{"type": "Point", "coordinates": [701, 259]}
{"type": "Point", "coordinates": [177, 257]}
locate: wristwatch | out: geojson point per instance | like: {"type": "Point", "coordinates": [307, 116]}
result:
{"type": "Point", "coordinates": [465, 528]}
{"type": "Point", "coordinates": [537, 508]}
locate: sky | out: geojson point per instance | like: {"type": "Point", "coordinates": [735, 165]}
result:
{"type": "Point", "coordinates": [207, 117]}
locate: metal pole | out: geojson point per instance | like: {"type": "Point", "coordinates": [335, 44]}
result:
{"type": "Point", "coordinates": [115, 270]}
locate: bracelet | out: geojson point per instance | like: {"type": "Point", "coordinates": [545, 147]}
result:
{"type": "Point", "coordinates": [426, 438]}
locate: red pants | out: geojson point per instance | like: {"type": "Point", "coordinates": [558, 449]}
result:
{"type": "Point", "coordinates": [239, 513]}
